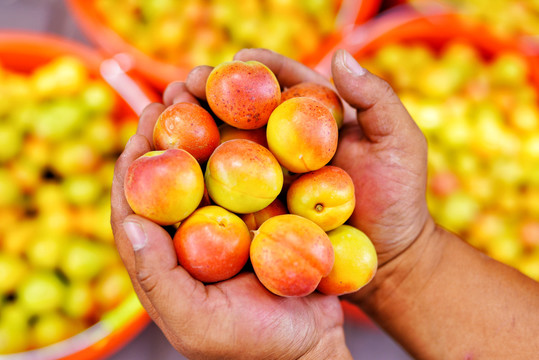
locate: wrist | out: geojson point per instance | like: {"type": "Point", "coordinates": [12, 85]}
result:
{"type": "Point", "coordinates": [414, 263]}
{"type": "Point", "coordinates": [331, 346]}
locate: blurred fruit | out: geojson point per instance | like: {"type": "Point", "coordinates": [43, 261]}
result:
{"type": "Point", "coordinates": [481, 119]}
{"type": "Point", "coordinates": [50, 328]}
{"type": "Point", "coordinates": [41, 292]}
{"type": "Point", "coordinates": [83, 260]}
{"type": "Point", "coordinates": [112, 287]}
{"type": "Point", "coordinates": [60, 138]}
{"type": "Point", "coordinates": [195, 32]}
{"type": "Point", "coordinates": [506, 18]}
{"type": "Point", "coordinates": [12, 271]}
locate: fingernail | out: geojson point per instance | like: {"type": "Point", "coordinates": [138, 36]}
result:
{"type": "Point", "coordinates": [136, 234]}
{"type": "Point", "coordinates": [351, 64]}
{"type": "Point", "coordinates": [129, 141]}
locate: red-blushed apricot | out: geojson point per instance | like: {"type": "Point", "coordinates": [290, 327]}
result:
{"type": "Point", "coordinates": [212, 244]}
{"type": "Point", "coordinates": [243, 177]}
{"type": "Point", "coordinates": [325, 196]}
{"type": "Point", "coordinates": [243, 94]}
{"type": "Point", "coordinates": [302, 134]}
{"type": "Point", "coordinates": [322, 93]}
{"type": "Point", "coordinates": [355, 263]}
{"type": "Point", "coordinates": [230, 133]}
{"type": "Point", "coordinates": [290, 254]}
{"type": "Point", "coordinates": [164, 186]}
{"type": "Point", "coordinates": [254, 220]}
{"type": "Point", "coordinates": [189, 127]}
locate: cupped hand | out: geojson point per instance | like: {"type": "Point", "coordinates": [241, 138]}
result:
{"type": "Point", "coordinates": [236, 318]}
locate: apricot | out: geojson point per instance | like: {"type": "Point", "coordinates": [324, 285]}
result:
{"type": "Point", "coordinates": [230, 133]}
{"type": "Point", "coordinates": [302, 134]}
{"type": "Point", "coordinates": [164, 186]}
{"type": "Point", "coordinates": [189, 127]}
{"type": "Point", "coordinates": [290, 255]}
{"type": "Point", "coordinates": [243, 94]}
{"type": "Point", "coordinates": [325, 196]}
{"type": "Point", "coordinates": [355, 262]}
{"type": "Point", "coordinates": [243, 177]}
{"type": "Point", "coordinates": [212, 244]}
{"type": "Point", "coordinates": [318, 92]}
{"type": "Point", "coordinates": [254, 220]}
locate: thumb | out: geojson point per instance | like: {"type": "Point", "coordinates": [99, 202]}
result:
{"type": "Point", "coordinates": [169, 288]}
{"type": "Point", "coordinates": [379, 110]}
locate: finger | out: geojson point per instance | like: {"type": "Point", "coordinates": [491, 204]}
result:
{"type": "Point", "coordinates": [380, 111]}
{"type": "Point", "coordinates": [196, 81]}
{"type": "Point", "coordinates": [147, 121]}
{"type": "Point", "coordinates": [169, 288]}
{"type": "Point", "coordinates": [137, 146]}
{"type": "Point", "coordinates": [289, 72]}
{"type": "Point", "coordinates": [177, 92]}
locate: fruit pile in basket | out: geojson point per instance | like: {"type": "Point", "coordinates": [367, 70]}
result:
{"type": "Point", "coordinates": [506, 18]}
{"type": "Point", "coordinates": [208, 32]}
{"type": "Point", "coordinates": [481, 118]}
{"type": "Point", "coordinates": [59, 270]}
{"type": "Point", "coordinates": [258, 187]}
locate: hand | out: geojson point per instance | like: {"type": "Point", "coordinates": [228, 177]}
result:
{"type": "Point", "coordinates": [237, 318]}
{"type": "Point", "coordinates": [381, 148]}
{"type": "Point", "coordinates": [385, 153]}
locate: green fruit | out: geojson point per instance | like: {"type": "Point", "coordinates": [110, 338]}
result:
{"type": "Point", "coordinates": [50, 328]}
{"type": "Point", "coordinates": [11, 139]}
{"type": "Point", "coordinates": [12, 271]}
{"type": "Point", "coordinates": [44, 250]}
{"type": "Point", "coordinates": [41, 292]}
{"type": "Point", "coordinates": [83, 259]}
{"type": "Point", "coordinates": [78, 302]}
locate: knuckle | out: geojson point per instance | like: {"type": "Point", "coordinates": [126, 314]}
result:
{"type": "Point", "coordinates": [148, 281]}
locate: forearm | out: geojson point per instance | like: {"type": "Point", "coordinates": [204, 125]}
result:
{"type": "Point", "coordinates": [445, 299]}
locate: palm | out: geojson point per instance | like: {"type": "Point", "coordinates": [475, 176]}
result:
{"type": "Point", "coordinates": [261, 323]}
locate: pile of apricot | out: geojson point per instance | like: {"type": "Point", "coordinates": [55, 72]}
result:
{"type": "Point", "coordinates": [247, 179]}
